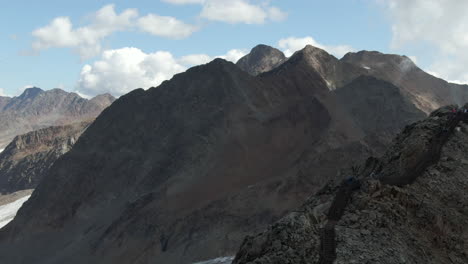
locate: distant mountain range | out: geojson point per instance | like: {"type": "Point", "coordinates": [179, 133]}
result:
{"type": "Point", "coordinates": [182, 172]}
{"type": "Point", "coordinates": [35, 109]}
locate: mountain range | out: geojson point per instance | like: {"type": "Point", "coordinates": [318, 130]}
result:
{"type": "Point", "coordinates": [183, 172]}
{"type": "Point", "coordinates": [35, 109]}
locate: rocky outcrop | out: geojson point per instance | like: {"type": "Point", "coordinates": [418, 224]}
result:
{"type": "Point", "coordinates": [27, 158]}
{"type": "Point", "coordinates": [261, 58]}
{"type": "Point", "coordinates": [419, 222]}
{"type": "Point", "coordinates": [35, 109]}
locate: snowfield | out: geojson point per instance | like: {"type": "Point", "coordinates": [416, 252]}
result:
{"type": "Point", "coordinates": [8, 211]}
{"type": "Point", "coordinates": [223, 260]}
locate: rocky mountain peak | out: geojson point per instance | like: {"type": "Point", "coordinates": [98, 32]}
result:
{"type": "Point", "coordinates": [262, 58]}
{"type": "Point", "coordinates": [30, 93]}
{"type": "Point", "coordinates": [35, 109]}
{"type": "Point", "coordinates": [377, 60]}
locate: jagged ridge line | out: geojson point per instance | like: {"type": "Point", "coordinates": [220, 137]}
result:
{"type": "Point", "coordinates": [341, 200]}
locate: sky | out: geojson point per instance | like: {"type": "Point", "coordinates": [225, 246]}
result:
{"type": "Point", "coordinates": [94, 47]}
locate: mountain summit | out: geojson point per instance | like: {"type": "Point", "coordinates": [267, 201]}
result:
{"type": "Point", "coordinates": [261, 58]}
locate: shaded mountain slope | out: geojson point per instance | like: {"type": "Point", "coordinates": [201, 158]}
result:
{"type": "Point", "coordinates": [418, 223]}
{"type": "Point", "coordinates": [378, 107]}
{"type": "Point", "coordinates": [35, 109]}
{"type": "Point", "coordinates": [27, 158]}
{"type": "Point", "coordinates": [172, 174]}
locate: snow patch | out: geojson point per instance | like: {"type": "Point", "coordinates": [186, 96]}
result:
{"type": "Point", "coordinates": [366, 67]}
{"type": "Point", "coordinates": [8, 211]}
{"type": "Point", "coordinates": [223, 260]}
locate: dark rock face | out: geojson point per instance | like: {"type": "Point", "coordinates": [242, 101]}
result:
{"type": "Point", "coordinates": [261, 59]}
{"type": "Point", "coordinates": [378, 107]}
{"type": "Point", "coordinates": [27, 158]}
{"type": "Point", "coordinates": [422, 222]}
{"type": "Point", "coordinates": [36, 109]}
{"type": "Point", "coordinates": [173, 174]}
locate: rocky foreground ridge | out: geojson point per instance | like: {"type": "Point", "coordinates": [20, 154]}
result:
{"type": "Point", "coordinates": [28, 157]}
{"type": "Point", "coordinates": [409, 206]}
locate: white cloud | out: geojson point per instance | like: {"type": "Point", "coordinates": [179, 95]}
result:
{"type": "Point", "coordinates": [241, 11]}
{"type": "Point", "coordinates": [292, 44]}
{"type": "Point", "coordinates": [233, 55]}
{"type": "Point", "coordinates": [86, 40]}
{"type": "Point", "coordinates": [236, 11]}
{"type": "Point", "coordinates": [414, 59]}
{"type": "Point", "coordinates": [183, 2]}
{"type": "Point", "coordinates": [2, 92]}
{"type": "Point", "coordinates": [122, 70]}
{"type": "Point", "coordinates": [442, 24]}
{"type": "Point", "coordinates": [195, 59]}
{"type": "Point", "coordinates": [165, 26]}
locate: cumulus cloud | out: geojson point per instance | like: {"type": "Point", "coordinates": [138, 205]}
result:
{"type": "Point", "coordinates": [165, 26]}
{"type": "Point", "coordinates": [120, 71]}
{"type": "Point", "coordinates": [2, 92]}
{"type": "Point", "coordinates": [233, 55]}
{"type": "Point", "coordinates": [86, 40]}
{"type": "Point", "coordinates": [195, 59]}
{"type": "Point", "coordinates": [240, 11]}
{"type": "Point", "coordinates": [442, 24]}
{"type": "Point", "coordinates": [293, 44]}
{"type": "Point", "coordinates": [236, 11]}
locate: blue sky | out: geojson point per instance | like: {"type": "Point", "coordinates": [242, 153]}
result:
{"type": "Point", "coordinates": [116, 46]}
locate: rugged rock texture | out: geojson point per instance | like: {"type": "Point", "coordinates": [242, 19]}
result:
{"type": "Point", "coordinates": [27, 158]}
{"type": "Point", "coordinates": [426, 91]}
{"type": "Point", "coordinates": [261, 58]}
{"type": "Point", "coordinates": [36, 109]}
{"type": "Point", "coordinates": [171, 174]}
{"type": "Point", "coordinates": [422, 222]}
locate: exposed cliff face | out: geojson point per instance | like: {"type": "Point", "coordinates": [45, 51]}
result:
{"type": "Point", "coordinates": [27, 158]}
{"type": "Point", "coordinates": [420, 222]}
{"type": "Point", "coordinates": [261, 58]}
{"type": "Point", "coordinates": [172, 174]}
{"type": "Point", "coordinates": [36, 109]}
